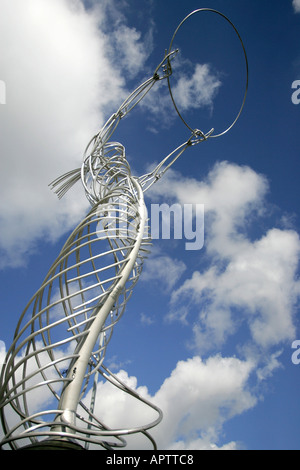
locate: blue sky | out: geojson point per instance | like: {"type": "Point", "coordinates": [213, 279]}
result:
{"type": "Point", "coordinates": [208, 333]}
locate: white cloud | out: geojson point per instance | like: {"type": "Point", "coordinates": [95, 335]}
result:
{"type": "Point", "coordinates": [146, 319]}
{"type": "Point", "coordinates": [193, 89]}
{"type": "Point", "coordinates": [132, 52]}
{"type": "Point", "coordinates": [199, 396]}
{"type": "Point", "coordinates": [196, 90]}
{"type": "Point", "coordinates": [259, 280]}
{"type": "Point", "coordinates": [256, 277]}
{"type": "Point", "coordinates": [115, 364]}
{"type": "Point", "coordinates": [272, 364]}
{"type": "Point", "coordinates": [60, 75]}
{"type": "Point", "coordinates": [296, 5]}
{"type": "Point", "coordinates": [202, 444]}
{"type": "Point", "coordinates": [196, 399]}
{"type": "Point", "coordinates": [162, 270]}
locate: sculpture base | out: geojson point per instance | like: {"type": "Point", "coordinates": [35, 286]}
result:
{"type": "Point", "coordinates": [53, 444]}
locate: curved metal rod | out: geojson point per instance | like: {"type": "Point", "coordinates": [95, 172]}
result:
{"type": "Point", "coordinates": [246, 63]}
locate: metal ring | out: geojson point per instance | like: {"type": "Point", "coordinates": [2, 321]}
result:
{"type": "Point", "coordinates": [246, 61]}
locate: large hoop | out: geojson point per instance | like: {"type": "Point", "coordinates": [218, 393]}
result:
{"type": "Point", "coordinates": [246, 63]}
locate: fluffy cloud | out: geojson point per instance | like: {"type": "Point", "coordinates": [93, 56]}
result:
{"type": "Point", "coordinates": [296, 5]}
{"type": "Point", "coordinates": [256, 277]}
{"type": "Point", "coordinates": [196, 90]}
{"type": "Point", "coordinates": [134, 52]}
{"type": "Point", "coordinates": [259, 281]}
{"type": "Point", "coordinates": [60, 76]}
{"type": "Point", "coordinates": [196, 399]}
{"type": "Point", "coordinates": [163, 270]}
{"type": "Point", "coordinates": [199, 396]}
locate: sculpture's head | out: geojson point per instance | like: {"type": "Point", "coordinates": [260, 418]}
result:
{"type": "Point", "coordinates": [105, 171]}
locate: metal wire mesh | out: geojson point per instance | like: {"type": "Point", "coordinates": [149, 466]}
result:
{"type": "Point", "coordinates": [95, 271]}
{"type": "Point", "coordinates": [61, 338]}
{"type": "Point", "coordinates": [49, 381]}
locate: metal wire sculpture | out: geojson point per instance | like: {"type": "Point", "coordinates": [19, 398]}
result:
{"type": "Point", "coordinates": [62, 335]}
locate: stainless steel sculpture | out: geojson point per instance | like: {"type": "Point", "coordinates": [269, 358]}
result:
{"type": "Point", "coordinates": [61, 338]}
